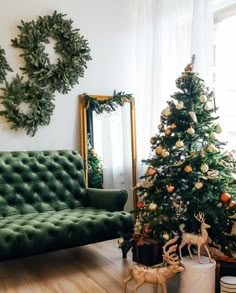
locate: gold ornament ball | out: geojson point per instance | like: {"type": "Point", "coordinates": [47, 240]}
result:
{"type": "Point", "coordinates": [160, 126]}
{"type": "Point", "coordinates": [204, 168]}
{"type": "Point", "coordinates": [211, 148]}
{"type": "Point", "coordinates": [179, 106]}
{"type": "Point", "coordinates": [165, 153]}
{"type": "Point", "coordinates": [159, 150]}
{"type": "Point", "coordinates": [207, 107]}
{"type": "Point", "coordinates": [179, 144]}
{"type": "Point", "coordinates": [166, 112]}
{"type": "Point", "coordinates": [218, 128]}
{"type": "Point", "coordinates": [203, 99]}
{"type": "Point", "coordinates": [166, 236]}
{"type": "Point", "coordinates": [152, 206]}
{"type": "Point", "coordinates": [198, 185]}
{"type": "Point", "coordinates": [190, 130]}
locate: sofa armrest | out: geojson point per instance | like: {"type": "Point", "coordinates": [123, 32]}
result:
{"type": "Point", "coordinates": [109, 199]}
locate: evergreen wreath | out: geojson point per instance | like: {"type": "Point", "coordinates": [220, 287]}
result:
{"type": "Point", "coordinates": [38, 101]}
{"type": "Point", "coordinates": [4, 66]}
{"type": "Point", "coordinates": [70, 45]}
{"type": "Point", "coordinates": [110, 105]}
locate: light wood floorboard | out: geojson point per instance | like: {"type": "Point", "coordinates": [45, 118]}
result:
{"type": "Point", "coordinates": [96, 268]}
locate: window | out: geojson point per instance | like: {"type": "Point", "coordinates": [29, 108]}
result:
{"type": "Point", "coordinates": [225, 72]}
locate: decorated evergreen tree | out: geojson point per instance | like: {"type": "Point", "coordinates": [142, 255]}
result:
{"type": "Point", "coordinates": [95, 171]}
{"type": "Point", "coordinates": [188, 172]}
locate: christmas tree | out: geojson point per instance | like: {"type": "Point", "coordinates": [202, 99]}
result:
{"type": "Point", "coordinates": [189, 172]}
{"type": "Point", "coordinates": [95, 171]}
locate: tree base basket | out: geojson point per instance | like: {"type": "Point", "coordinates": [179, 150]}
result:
{"type": "Point", "coordinates": [148, 254]}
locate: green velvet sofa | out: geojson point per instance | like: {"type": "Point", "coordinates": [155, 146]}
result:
{"type": "Point", "coordinates": [45, 205]}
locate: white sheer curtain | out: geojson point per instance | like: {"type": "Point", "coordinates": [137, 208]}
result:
{"type": "Point", "coordinates": [168, 33]}
{"type": "Point", "coordinates": [112, 143]}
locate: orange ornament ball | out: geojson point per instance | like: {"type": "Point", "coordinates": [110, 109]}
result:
{"type": "Point", "coordinates": [170, 188]}
{"type": "Point", "coordinates": [188, 169]}
{"type": "Point", "coordinates": [147, 230]}
{"type": "Point", "coordinates": [225, 197]}
{"type": "Point", "coordinates": [168, 131]}
{"type": "Point", "coordinates": [140, 204]}
{"type": "Point", "coordinates": [150, 171]}
{"type": "Point", "coordinates": [153, 140]}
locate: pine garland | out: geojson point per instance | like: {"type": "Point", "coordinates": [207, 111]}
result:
{"type": "Point", "coordinates": [4, 66]}
{"type": "Point", "coordinates": [71, 46]}
{"type": "Point", "coordinates": [38, 100]}
{"type": "Point", "coordinates": [110, 105]}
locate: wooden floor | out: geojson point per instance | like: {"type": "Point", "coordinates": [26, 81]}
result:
{"type": "Point", "coordinates": [95, 268]}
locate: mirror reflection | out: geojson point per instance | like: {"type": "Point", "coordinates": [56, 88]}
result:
{"type": "Point", "coordinates": [108, 145]}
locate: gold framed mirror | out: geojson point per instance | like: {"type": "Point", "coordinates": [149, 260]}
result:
{"type": "Point", "coordinates": [129, 106]}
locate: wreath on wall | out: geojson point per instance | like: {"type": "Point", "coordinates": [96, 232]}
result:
{"type": "Point", "coordinates": [70, 45]}
{"type": "Point", "coordinates": [27, 105]}
{"type": "Point", "coordinates": [44, 77]}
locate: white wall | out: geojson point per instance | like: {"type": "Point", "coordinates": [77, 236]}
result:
{"type": "Point", "coordinates": [109, 27]}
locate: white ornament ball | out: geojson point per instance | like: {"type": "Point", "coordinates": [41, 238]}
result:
{"type": "Point", "coordinates": [180, 106]}
{"type": "Point", "coordinates": [160, 126]}
{"type": "Point", "coordinates": [179, 144]}
{"type": "Point", "coordinates": [203, 99]}
{"type": "Point", "coordinates": [190, 130]}
{"type": "Point", "coordinates": [204, 168]}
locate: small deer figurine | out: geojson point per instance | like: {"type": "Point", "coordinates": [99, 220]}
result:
{"type": "Point", "coordinates": [233, 230]}
{"type": "Point", "coordinates": [198, 240]}
{"type": "Point", "coordinates": [156, 275]}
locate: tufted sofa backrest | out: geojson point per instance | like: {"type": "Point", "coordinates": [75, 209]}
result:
{"type": "Point", "coordinates": [39, 181]}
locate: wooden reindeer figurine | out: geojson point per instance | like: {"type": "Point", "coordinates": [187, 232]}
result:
{"type": "Point", "coordinates": [156, 275]}
{"type": "Point", "coordinates": [233, 230]}
{"type": "Point", "coordinates": [198, 240]}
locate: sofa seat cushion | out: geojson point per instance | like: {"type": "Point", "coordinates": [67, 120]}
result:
{"type": "Point", "coordinates": [33, 233]}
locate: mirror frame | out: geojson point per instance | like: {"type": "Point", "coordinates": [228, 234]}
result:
{"type": "Point", "coordinates": [84, 137]}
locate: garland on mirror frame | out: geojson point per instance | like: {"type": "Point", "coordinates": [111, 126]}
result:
{"type": "Point", "coordinates": [43, 77]}
{"type": "Point", "coordinates": [109, 105]}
